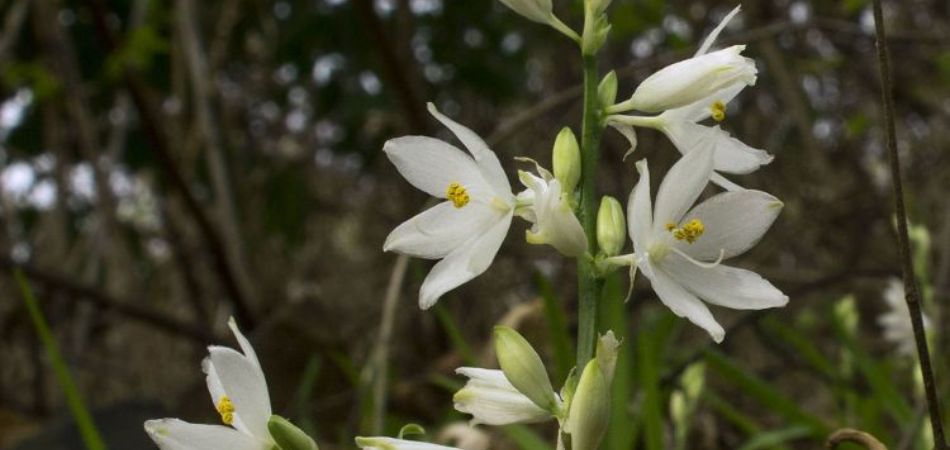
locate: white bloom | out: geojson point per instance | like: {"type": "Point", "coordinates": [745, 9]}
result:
{"type": "Point", "coordinates": [465, 231]}
{"type": "Point", "coordinates": [553, 219]}
{"type": "Point", "coordinates": [680, 249]}
{"type": "Point", "coordinates": [492, 400]}
{"type": "Point", "coordinates": [388, 443]}
{"type": "Point", "coordinates": [239, 394]}
{"type": "Point", "coordinates": [896, 321]}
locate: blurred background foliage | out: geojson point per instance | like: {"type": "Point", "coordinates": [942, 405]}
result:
{"type": "Point", "coordinates": [166, 164]}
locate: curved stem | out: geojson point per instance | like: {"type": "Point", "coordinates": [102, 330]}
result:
{"type": "Point", "coordinates": [910, 283]}
{"type": "Point", "coordinates": [588, 285]}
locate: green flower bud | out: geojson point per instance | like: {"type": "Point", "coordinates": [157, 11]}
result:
{"type": "Point", "coordinates": [847, 314]}
{"type": "Point", "coordinates": [607, 349]}
{"type": "Point", "coordinates": [596, 29]}
{"type": "Point", "coordinates": [611, 226]}
{"type": "Point", "coordinates": [287, 436]}
{"type": "Point", "coordinates": [693, 380]}
{"type": "Point", "coordinates": [597, 7]}
{"type": "Point", "coordinates": [566, 159]}
{"type": "Point", "coordinates": [607, 89]}
{"type": "Point", "coordinates": [590, 409]}
{"type": "Point", "coordinates": [523, 368]}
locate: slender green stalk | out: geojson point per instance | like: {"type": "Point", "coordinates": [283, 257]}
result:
{"type": "Point", "coordinates": [588, 284]}
{"type": "Point", "coordinates": [87, 428]}
{"type": "Point", "coordinates": [910, 280]}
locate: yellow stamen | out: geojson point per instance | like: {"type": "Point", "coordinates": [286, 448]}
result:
{"type": "Point", "coordinates": [458, 194]}
{"type": "Point", "coordinates": [689, 232]}
{"type": "Point", "coordinates": [226, 409]}
{"type": "Point", "coordinates": [718, 109]}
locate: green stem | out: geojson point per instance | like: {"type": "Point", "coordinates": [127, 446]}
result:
{"type": "Point", "coordinates": [588, 284]}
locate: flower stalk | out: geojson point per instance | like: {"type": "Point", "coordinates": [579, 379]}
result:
{"type": "Point", "coordinates": [589, 285]}
{"type": "Point", "coordinates": [903, 241]}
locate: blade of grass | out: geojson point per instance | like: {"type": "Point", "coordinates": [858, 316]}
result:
{"type": "Point", "coordinates": [649, 380]}
{"type": "Point", "coordinates": [87, 427]}
{"type": "Point", "coordinates": [455, 335]}
{"type": "Point", "coordinates": [304, 394]}
{"type": "Point", "coordinates": [557, 328]}
{"type": "Point", "coordinates": [620, 433]}
{"type": "Point", "coordinates": [762, 391]}
{"type": "Point", "coordinates": [771, 439]}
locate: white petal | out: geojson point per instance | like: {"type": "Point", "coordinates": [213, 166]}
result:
{"type": "Point", "coordinates": [702, 109]}
{"type": "Point", "coordinates": [629, 133]}
{"type": "Point", "coordinates": [640, 210]}
{"type": "Point", "coordinates": [464, 263]}
{"type": "Point", "coordinates": [556, 224]}
{"type": "Point", "coordinates": [723, 285]}
{"type": "Point", "coordinates": [492, 400]}
{"type": "Point", "coordinates": [174, 434]}
{"type": "Point", "coordinates": [731, 154]}
{"type": "Point", "coordinates": [244, 384]}
{"type": "Point", "coordinates": [733, 223]}
{"type": "Point", "coordinates": [388, 443]}
{"type": "Point", "coordinates": [711, 39]}
{"type": "Point", "coordinates": [437, 231]}
{"type": "Point", "coordinates": [216, 389]}
{"type": "Point", "coordinates": [681, 187]}
{"type": "Point", "coordinates": [690, 80]}
{"type": "Point", "coordinates": [684, 304]}
{"type": "Point", "coordinates": [724, 182]}
{"type": "Point", "coordinates": [487, 161]}
{"type": "Point", "coordinates": [246, 347]}
{"type": "Point", "coordinates": [432, 165]}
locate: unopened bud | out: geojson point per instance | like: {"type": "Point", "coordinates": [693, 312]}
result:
{"type": "Point", "coordinates": [523, 368]}
{"type": "Point", "coordinates": [607, 350]}
{"type": "Point", "coordinates": [287, 436]}
{"type": "Point", "coordinates": [566, 159]}
{"type": "Point", "coordinates": [597, 6]}
{"type": "Point", "coordinates": [607, 89]}
{"type": "Point", "coordinates": [611, 226]}
{"type": "Point", "coordinates": [590, 409]}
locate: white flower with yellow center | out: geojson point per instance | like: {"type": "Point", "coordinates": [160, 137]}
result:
{"type": "Point", "coordinates": [239, 394]}
{"type": "Point", "coordinates": [896, 320]}
{"type": "Point", "coordinates": [466, 230]}
{"type": "Point", "coordinates": [691, 99]}
{"type": "Point", "coordinates": [492, 400]}
{"type": "Point", "coordinates": [680, 249]}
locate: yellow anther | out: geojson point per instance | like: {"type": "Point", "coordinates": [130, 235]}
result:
{"type": "Point", "coordinates": [458, 194]}
{"type": "Point", "coordinates": [718, 109]}
{"type": "Point", "coordinates": [226, 409]}
{"type": "Point", "coordinates": [689, 232]}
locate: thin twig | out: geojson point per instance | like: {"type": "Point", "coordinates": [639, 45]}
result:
{"type": "Point", "coordinates": [910, 281]}
{"type": "Point", "coordinates": [855, 436]}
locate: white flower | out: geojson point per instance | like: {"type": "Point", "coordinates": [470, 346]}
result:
{"type": "Point", "coordinates": [492, 400]}
{"type": "Point", "coordinates": [554, 222]}
{"type": "Point", "coordinates": [680, 119]}
{"type": "Point", "coordinates": [680, 249]}
{"type": "Point", "coordinates": [466, 230]}
{"type": "Point", "coordinates": [388, 443]}
{"type": "Point", "coordinates": [239, 394]}
{"type": "Point", "coordinates": [896, 321]}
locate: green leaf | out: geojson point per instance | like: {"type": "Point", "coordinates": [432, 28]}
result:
{"type": "Point", "coordinates": [77, 407]}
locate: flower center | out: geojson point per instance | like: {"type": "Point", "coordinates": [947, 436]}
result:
{"type": "Point", "coordinates": [457, 194]}
{"type": "Point", "coordinates": [689, 232]}
{"type": "Point", "coordinates": [718, 110]}
{"type": "Point", "coordinates": [226, 409]}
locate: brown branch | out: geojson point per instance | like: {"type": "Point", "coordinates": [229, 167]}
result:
{"type": "Point", "coordinates": [855, 436]}
{"type": "Point", "coordinates": [912, 295]}
{"type": "Point", "coordinates": [151, 125]}
{"type": "Point", "coordinates": [102, 300]}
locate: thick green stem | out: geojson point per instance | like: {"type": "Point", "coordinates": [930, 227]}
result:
{"type": "Point", "coordinates": [589, 285]}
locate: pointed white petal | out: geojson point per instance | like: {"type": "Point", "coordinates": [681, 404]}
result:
{"type": "Point", "coordinates": [684, 304]}
{"type": "Point", "coordinates": [432, 165]}
{"type": "Point", "coordinates": [464, 263]}
{"type": "Point", "coordinates": [723, 285]}
{"type": "Point", "coordinates": [555, 223]}
{"type": "Point", "coordinates": [487, 161]}
{"type": "Point", "coordinates": [693, 79]}
{"type": "Point", "coordinates": [731, 154]}
{"type": "Point", "coordinates": [681, 187]}
{"type": "Point", "coordinates": [244, 384]}
{"type": "Point", "coordinates": [246, 347]}
{"type": "Point", "coordinates": [711, 39]}
{"type": "Point", "coordinates": [492, 400]}
{"type": "Point", "coordinates": [388, 443]}
{"type": "Point", "coordinates": [437, 231]}
{"type": "Point", "coordinates": [702, 109]}
{"type": "Point", "coordinates": [216, 389]}
{"type": "Point", "coordinates": [733, 223]}
{"type": "Point", "coordinates": [174, 434]}
{"type": "Point", "coordinates": [640, 210]}
{"type": "Point", "coordinates": [724, 182]}
{"type": "Point", "coordinates": [629, 133]}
